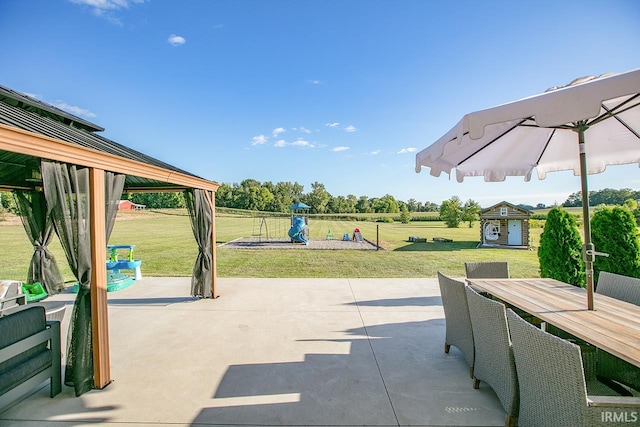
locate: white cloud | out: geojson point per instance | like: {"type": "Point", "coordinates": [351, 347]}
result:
{"type": "Point", "coordinates": [104, 4]}
{"type": "Point", "coordinates": [73, 109]}
{"type": "Point", "coordinates": [77, 111]}
{"type": "Point", "coordinates": [175, 40]}
{"type": "Point", "coordinates": [278, 131]}
{"type": "Point", "coordinates": [339, 149]}
{"type": "Point", "coordinates": [300, 142]}
{"type": "Point", "coordinates": [314, 82]}
{"type": "Point", "coordinates": [407, 150]}
{"type": "Point", "coordinates": [280, 143]}
{"type": "Point", "coordinates": [350, 128]}
{"type": "Point", "coordinates": [333, 125]}
{"type": "Point", "coordinates": [301, 129]}
{"type": "Point", "coordinates": [375, 152]}
{"type": "Point", "coordinates": [106, 8]}
{"type": "Point", "coordinates": [259, 140]}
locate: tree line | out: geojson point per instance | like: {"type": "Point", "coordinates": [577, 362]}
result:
{"type": "Point", "coordinates": [608, 196]}
{"type": "Point", "coordinates": [268, 197]}
{"type": "Point", "coordinates": [251, 194]}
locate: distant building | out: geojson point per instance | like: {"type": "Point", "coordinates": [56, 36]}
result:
{"type": "Point", "coordinates": [504, 225]}
{"type": "Point", "coordinates": [127, 205]}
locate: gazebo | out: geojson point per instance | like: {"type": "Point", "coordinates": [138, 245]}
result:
{"type": "Point", "coordinates": [68, 179]}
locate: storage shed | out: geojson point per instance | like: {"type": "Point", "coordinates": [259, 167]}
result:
{"type": "Point", "coordinates": [504, 225]}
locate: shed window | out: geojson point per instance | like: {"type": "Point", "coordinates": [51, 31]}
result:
{"type": "Point", "coordinates": [504, 211]}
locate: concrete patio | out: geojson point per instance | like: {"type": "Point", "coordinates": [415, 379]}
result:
{"type": "Point", "coordinates": [319, 352]}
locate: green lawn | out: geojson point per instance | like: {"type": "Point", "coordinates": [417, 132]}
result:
{"type": "Point", "coordinates": [165, 243]}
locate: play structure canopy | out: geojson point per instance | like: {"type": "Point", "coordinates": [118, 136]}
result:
{"type": "Point", "coordinates": [299, 206]}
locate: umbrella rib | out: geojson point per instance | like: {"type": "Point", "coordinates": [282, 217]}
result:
{"type": "Point", "coordinates": [623, 123]}
{"type": "Point", "coordinates": [613, 112]}
{"type": "Point", "coordinates": [546, 144]}
{"type": "Point", "coordinates": [494, 140]}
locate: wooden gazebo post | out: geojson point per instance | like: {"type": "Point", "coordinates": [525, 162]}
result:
{"type": "Point", "coordinates": [99, 309]}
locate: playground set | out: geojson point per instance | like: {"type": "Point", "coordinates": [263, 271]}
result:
{"type": "Point", "coordinates": [298, 229]}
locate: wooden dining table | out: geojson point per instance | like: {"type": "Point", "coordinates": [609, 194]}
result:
{"type": "Point", "coordinates": [613, 325]}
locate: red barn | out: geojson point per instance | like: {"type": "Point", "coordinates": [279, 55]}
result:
{"type": "Point", "coordinates": [127, 205]}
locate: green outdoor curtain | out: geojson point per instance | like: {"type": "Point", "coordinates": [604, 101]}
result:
{"type": "Point", "coordinates": [43, 268]}
{"type": "Point", "coordinates": [66, 189]}
{"type": "Point", "coordinates": [113, 186]}
{"type": "Point", "coordinates": [200, 213]}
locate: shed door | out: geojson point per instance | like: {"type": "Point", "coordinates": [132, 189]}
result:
{"type": "Point", "coordinates": [515, 232]}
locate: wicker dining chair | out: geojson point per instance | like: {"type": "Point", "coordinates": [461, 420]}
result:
{"type": "Point", "coordinates": [458, 322]}
{"type": "Point", "coordinates": [487, 270]}
{"type": "Point", "coordinates": [494, 363]}
{"type": "Point", "coordinates": [627, 289]}
{"type": "Point", "coordinates": [620, 287]}
{"type": "Point", "coordinates": [553, 389]}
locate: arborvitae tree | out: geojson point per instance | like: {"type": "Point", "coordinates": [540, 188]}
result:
{"type": "Point", "coordinates": [560, 251]}
{"type": "Point", "coordinates": [615, 232]}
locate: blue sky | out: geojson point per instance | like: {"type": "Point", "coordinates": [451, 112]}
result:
{"type": "Point", "coordinates": [343, 92]}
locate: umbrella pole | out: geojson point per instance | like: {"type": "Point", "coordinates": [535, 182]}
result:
{"type": "Point", "coordinates": [588, 250]}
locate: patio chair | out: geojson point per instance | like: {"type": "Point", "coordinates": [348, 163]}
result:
{"type": "Point", "coordinates": [11, 296]}
{"type": "Point", "coordinates": [494, 270]}
{"type": "Point", "coordinates": [458, 322]}
{"type": "Point", "coordinates": [617, 286]}
{"type": "Point", "coordinates": [553, 389]}
{"type": "Point", "coordinates": [627, 289]}
{"type": "Point", "coordinates": [494, 363]}
{"type": "Point", "coordinates": [487, 270]}
{"type": "Point", "coordinates": [29, 354]}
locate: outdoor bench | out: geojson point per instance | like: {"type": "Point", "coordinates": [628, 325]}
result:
{"type": "Point", "coordinates": [29, 354]}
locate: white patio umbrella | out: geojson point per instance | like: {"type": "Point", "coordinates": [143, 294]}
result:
{"type": "Point", "coordinates": [584, 126]}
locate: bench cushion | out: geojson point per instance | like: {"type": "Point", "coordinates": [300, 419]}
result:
{"type": "Point", "coordinates": [14, 328]}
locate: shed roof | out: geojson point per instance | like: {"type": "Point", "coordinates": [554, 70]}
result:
{"type": "Point", "coordinates": [505, 204]}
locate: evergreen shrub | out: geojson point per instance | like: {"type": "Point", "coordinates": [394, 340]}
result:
{"type": "Point", "coordinates": [560, 251]}
{"type": "Point", "coordinates": [614, 231]}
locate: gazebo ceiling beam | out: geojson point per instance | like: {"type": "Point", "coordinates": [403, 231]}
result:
{"type": "Point", "coordinates": [32, 144]}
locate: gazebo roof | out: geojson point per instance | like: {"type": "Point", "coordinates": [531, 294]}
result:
{"type": "Point", "coordinates": [21, 170]}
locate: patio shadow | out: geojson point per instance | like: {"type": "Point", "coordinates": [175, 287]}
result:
{"type": "Point", "coordinates": [151, 301]}
{"type": "Point", "coordinates": [401, 302]}
{"type": "Point", "coordinates": [394, 374]}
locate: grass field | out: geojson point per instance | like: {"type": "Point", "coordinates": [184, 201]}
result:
{"type": "Point", "coordinates": [165, 243]}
